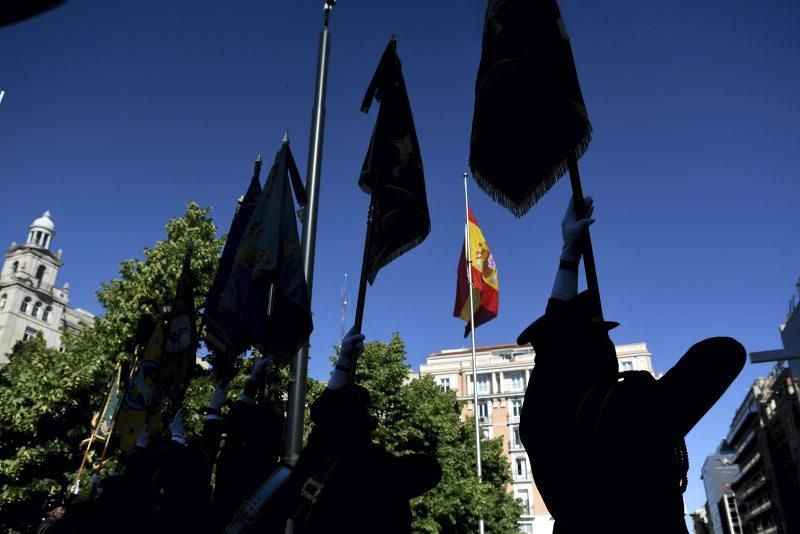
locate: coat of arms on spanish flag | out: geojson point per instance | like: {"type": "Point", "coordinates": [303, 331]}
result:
{"type": "Point", "coordinates": [485, 287]}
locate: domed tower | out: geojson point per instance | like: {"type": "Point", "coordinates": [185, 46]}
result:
{"type": "Point", "coordinates": [42, 231]}
{"type": "Point", "coordinates": [30, 302]}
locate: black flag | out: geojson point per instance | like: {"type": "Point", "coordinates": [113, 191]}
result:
{"type": "Point", "coordinates": [392, 171]}
{"type": "Point", "coordinates": [222, 333]}
{"type": "Point", "coordinates": [529, 111]}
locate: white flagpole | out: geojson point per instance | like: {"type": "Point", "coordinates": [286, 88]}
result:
{"type": "Point", "coordinates": [468, 250]}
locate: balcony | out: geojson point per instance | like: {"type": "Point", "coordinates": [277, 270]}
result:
{"type": "Point", "coordinates": [766, 530]}
{"type": "Point", "coordinates": [485, 420]}
{"type": "Point", "coordinates": [758, 509]}
{"type": "Point", "coordinates": [743, 446]}
{"type": "Point", "coordinates": [747, 467]}
{"type": "Point", "coordinates": [752, 487]}
{"type": "Point", "coordinates": [513, 419]}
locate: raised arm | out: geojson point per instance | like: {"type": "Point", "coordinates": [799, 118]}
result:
{"type": "Point", "coordinates": [572, 231]}
{"type": "Point", "coordinates": [352, 347]}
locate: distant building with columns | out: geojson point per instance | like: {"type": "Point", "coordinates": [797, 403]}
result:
{"type": "Point", "coordinates": [503, 373]}
{"type": "Point", "coordinates": [30, 302]}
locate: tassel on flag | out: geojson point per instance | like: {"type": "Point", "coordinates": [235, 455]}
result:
{"type": "Point", "coordinates": [530, 118]}
{"type": "Point", "coordinates": [266, 294]}
{"type": "Point", "coordinates": [222, 334]}
{"type": "Point", "coordinates": [486, 288]}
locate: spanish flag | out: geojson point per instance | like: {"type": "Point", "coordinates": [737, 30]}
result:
{"type": "Point", "coordinates": [485, 287]}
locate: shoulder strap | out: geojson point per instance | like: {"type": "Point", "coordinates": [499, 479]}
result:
{"type": "Point", "coordinates": [250, 511]}
{"type": "Point", "coordinates": [312, 487]}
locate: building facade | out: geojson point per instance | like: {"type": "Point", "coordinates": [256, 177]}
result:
{"type": "Point", "coordinates": [30, 301]}
{"type": "Point", "coordinates": [765, 434]}
{"type": "Point", "coordinates": [719, 471]}
{"type": "Point", "coordinates": [503, 372]}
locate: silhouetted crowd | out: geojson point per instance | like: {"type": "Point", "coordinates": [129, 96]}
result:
{"type": "Point", "coordinates": [601, 442]}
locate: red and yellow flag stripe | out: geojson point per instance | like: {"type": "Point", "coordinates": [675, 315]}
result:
{"type": "Point", "coordinates": [486, 288]}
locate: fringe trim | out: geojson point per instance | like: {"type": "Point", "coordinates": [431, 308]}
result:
{"type": "Point", "coordinates": [486, 182]}
{"type": "Point", "coordinates": [373, 270]}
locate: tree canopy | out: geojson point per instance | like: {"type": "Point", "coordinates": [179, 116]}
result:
{"type": "Point", "coordinates": [47, 397]}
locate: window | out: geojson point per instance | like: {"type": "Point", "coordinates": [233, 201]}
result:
{"type": "Point", "coordinates": [516, 439]}
{"type": "Point", "coordinates": [520, 468]}
{"type": "Point", "coordinates": [523, 496]}
{"type": "Point", "coordinates": [507, 356]}
{"type": "Point", "coordinates": [484, 384]}
{"type": "Point", "coordinates": [48, 311]}
{"type": "Point", "coordinates": [514, 381]}
{"type": "Point", "coordinates": [444, 384]}
{"type": "Point", "coordinates": [15, 267]}
{"type": "Point", "coordinates": [39, 275]}
{"type": "Point", "coordinates": [36, 308]}
{"type": "Point", "coordinates": [30, 333]}
{"type": "Point", "coordinates": [626, 365]}
{"type": "Point", "coordinates": [484, 409]}
{"type": "Point", "coordinates": [516, 407]}
{"type": "Point", "coordinates": [3, 300]}
{"type": "Point", "coordinates": [486, 433]}
{"type": "Point", "coordinates": [526, 529]}
{"type": "Point", "coordinates": [25, 304]}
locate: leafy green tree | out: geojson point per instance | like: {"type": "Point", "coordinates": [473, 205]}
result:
{"type": "Point", "coordinates": [147, 286]}
{"type": "Point", "coordinates": [47, 397]}
{"type": "Point", "coordinates": [46, 402]}
{"type": "Point", "coordinates": [417, 417]}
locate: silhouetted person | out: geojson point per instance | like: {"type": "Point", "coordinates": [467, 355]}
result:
{"type": "Point", "coordinates": [343, 482]}
{"type": "Point", "coordinates": [182, 485]}
{"type": "Point", "coordinates": [252, 446]}
{"type": "Point", "coordinates": [601, 441]}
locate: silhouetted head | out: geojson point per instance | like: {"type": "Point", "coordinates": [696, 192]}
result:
{"type": "Point", "coordinates": [568, 334]}
{"type": "Point", "coordinates": [343, 411]}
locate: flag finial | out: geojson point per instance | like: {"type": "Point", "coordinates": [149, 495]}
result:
{"type": "Point", "coordinates": [285, 140]}
{"type": "Point", "coordinates": [258, 158]}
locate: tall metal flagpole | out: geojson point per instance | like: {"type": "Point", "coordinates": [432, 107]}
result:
{"type": "Point", "coordinates": [297, 390]}
{"type": "Point", "coordinates": [468, 250]}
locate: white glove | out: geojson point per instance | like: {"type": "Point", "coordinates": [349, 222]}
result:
{"type": "Point", "coordinates": [143, 440]}
{"type": "Point", "coordinates": [176, 428]}
{"type": "Point", "coordinates": [262, 368]}
{"type": "Point", "coordinates": [573, 230]}
{"type": "Point", "coordinates": [218, 398]}
{"type": "Point", "coordinates": [352, 347]}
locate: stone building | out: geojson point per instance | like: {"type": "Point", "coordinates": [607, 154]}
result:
{"type": "Point", "coordinates": [503, 373]}
{"type": "Point", "coordinates": [30, 301]}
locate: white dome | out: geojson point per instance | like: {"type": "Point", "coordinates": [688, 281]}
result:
{"type": "Point", "coordinates": [45, 223]}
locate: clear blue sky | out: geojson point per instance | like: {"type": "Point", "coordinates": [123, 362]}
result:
{"type": "Point", "coordinates": [117, 114]}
